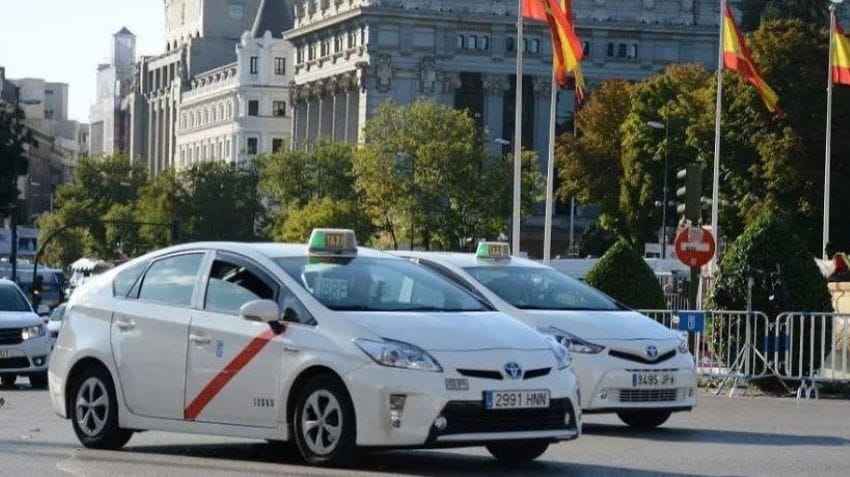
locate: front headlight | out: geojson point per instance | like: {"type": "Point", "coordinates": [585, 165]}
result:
{"type": "Point", "coordinates": [572, 342]}
{"type": "Point", "coordinates": [562, 355]}
{"type": "Point", "coordinates": [32, 332]}
{"type": "Point", "coordinates": [683, 347]}
{"type": "Point", "coordinates": [397, 354]}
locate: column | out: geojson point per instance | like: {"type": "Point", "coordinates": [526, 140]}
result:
{"type": "Point", "coordinates": [154, 153]}
{"type": "Point", "coordinates": [542, 92]}
{"type": "Point", "coordinates": [150, 136]}
{"type": "Point", "coordinates": [307, 120]}
{"type": "Point", "coordinates": [495, 87]}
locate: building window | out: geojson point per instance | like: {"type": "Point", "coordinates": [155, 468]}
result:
{"type": "Point", "coordinates": [221, 150]}
{"type": "Point", "coordinates": [352, 38]}
{"type": "Point", "coordinates": [338, 43]}
{"type": "Point", "coordinates": [311, 52]}
{"type": "Point", "coordinates": [510, 44]}
{"type": "Point", "coordinates": [236, 11]}
{"type": "Point", "coordinates": [473, 42]}
{"type": "Point", "coordinates": [227, 149]}
{"type": "Point", "coordinates": [484, 43]}
{"type": "Point", "coordinates": [610, 52]}
{"type": "Point", "coordinates": [204, 157]}
{"type": "Point", "coordinates": [252, 146]}
{"type": "Point", "coordinates": [621, 50]}
{"type": "Point", "coordinates": [280, 66]}
{"type": "Point", "coordinates": [299, 55]}
{"type": "Point", "coordinates": [255, 64]}
{"type": "Point", "coordinates": [279, 108]}
{"type": "Point", "coordinates": [632, 51]}
{"type": "Point", "coordinates": [461, 42]}
{"type": "Point", "coordinates": [535, 46]}
{"type": "Point", "coordinates": [253, 107]}
{"type": "Point", "coordinates": [277, 145]}
{"type": "Point", "coordinates": [586, 47]}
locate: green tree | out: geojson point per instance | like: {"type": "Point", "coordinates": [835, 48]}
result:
{"type": "Point", "coordinates": [754, 12]}
{"type": "Point", "coordinates": [222, 203]}
{"type": "Point", "coordinates": [597, 148]}
{"type": "Point", "coordinates": [425, 175]}
{"type": "Point", "coordinates": [163, 200]}
{"type": "Point", "coordinates": [326, 213]}
{"type": "Point", "coordinates": [13, 159]}
{"type": "Point", "coordinates": [624, 275]}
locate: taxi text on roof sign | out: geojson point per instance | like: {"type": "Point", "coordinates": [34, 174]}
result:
{"type": "Point", "coordinates": [337, 242]}
{"type": "Point", "coordinates": [494, 250]}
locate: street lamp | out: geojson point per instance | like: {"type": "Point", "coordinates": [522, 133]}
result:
{"type": "Point", "coordinates": [665, 126]}
{"type": "Point", "coordinates": [503, 143]}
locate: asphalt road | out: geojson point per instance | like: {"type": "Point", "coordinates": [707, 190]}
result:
{"type": "Point", "coordinates": [740, 436]}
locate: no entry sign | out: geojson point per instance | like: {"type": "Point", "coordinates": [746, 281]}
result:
{"type": "Point", "coordinates": [695, 247]}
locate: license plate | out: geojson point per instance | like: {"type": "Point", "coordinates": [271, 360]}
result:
{"type": "Point", "coordinates": [4, 353]}
{"type": "Point", "coordinates": [653, 380]}
{"type": "Point", "coordinates": [516, 399]}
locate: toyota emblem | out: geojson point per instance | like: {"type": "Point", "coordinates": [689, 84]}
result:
{"type": "Point", "coordinates": [651, 352]}
{"type": "Point", "coordinates": [513, 370]}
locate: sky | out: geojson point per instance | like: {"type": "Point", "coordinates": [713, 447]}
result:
{"type": "Point", "coordinates": [63, 41]}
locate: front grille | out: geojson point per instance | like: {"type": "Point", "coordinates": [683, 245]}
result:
{"type": "Point", "coordinates": [648, 395]}
{"type": "Point", "coordinates": [14, 363]}
{"type": "Point", "coordinates": [10, 336]}
{"type": "Point", "coordinates": [536, 373]}
{"type": "Point", "coordinates": [470, 417]}
{"type": "Point", "coordinates": [642, 359]}
{"type": "Point", "coordinates": [480, 373]}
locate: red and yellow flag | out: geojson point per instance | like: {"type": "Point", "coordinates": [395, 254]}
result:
{"type": "Point", "coordinates": [568, 50]}
{"type": "Point", "coordinates": [737, 56]}
{"type": "Point", "coordinates": [561, 74]}
{"type": "Point", "coordinates": [841, 57]}
{"type": "Point", "coordinates": [533, 9]}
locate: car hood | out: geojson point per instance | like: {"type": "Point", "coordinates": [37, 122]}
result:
{"type": "Point", "coordinates": [601, 325]}
{"type": "Point", "coordinates": [19, 319]}
{"type": "Point", "coordinates": [453, 331]}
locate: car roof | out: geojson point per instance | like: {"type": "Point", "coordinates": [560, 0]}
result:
{"type": "Point", "coordinates": [270, 250]}
{"type": "Point", "coordinates": [468, 260]}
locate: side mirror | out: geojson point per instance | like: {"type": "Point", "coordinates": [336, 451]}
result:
{"type": "Point", "coordinates": [265, 311]}
{"type": "Point", "coordinates": [43, 310]}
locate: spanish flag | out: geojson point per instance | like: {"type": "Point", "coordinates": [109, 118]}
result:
{"type": "Point", "coordinates": [737, 56]}
{"type": "Point", "coordinates": [580, 85]}
{"type": "Point", "coordinates": [841, 57]}
{"type": "Point", "coordinates": [533, 9]}
{"type": "Point", "coordinates": [568, 50]}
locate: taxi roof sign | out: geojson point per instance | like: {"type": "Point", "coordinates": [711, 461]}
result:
{"type": "Point", "coordinates": [333, 242]}
{"type": "Point", "coordinates": [493, 250]}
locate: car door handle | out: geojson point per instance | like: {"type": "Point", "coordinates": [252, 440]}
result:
{"type": "Point", "coordinates": [125, 324]}
{"type": "Point", "coordinates": [291, 349]}
{"type": "Point", "coordinates": [200, 339]}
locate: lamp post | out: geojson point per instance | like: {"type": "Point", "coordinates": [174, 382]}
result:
{"type": "Point", "coordinates": [665, 126]}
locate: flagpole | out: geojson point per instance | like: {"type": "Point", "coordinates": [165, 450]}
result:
{"type": "Point", "coordinates": [550, 171]}
{"type": "Point", "coordinates": [718, 113]}
{"type": "Point", "coordinates": [515, 222]}
{"type": "Point", "coordinates": [828, 162]}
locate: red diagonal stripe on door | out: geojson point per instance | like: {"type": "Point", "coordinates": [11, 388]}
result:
{"type": "Point", "coordinates": [233, 368]}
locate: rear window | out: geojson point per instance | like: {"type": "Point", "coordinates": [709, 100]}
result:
{"type": "Point", "coordinates": [125, 279]}
{"type": "Point", "coordinates": [12, 300]}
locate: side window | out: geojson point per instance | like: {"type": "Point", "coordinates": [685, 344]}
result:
{"type": "Point", "coordinates": [171, 280]}
{"type": "Point", "coordinates": [294, 311]}
{"type": "Point", "coordinates": [125, 280]}
{"type": "Point", "coordinates": [231, 285]}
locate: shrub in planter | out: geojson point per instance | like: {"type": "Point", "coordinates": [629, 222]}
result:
{"type": "Point", "coordinates": [785, 279]}
{"type": "Point", "coordinates": [624, 275]}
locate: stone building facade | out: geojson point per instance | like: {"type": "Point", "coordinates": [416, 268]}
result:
{"type": "Point", "coordinates": [114, 79]}
{"type": "Point", "coordinates": [351, 55]}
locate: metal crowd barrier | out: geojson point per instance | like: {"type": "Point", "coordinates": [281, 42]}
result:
{"type": "Point", "coordinates": [813, 347]}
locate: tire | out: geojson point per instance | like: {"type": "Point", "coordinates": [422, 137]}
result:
{"type": "Point", "coordinates": [93, 408]}
{"type": "Point", "coordinates": [517, 452]}
{"type": "Point", "coordinates": [38, 381]}
{"type": "Point", "coordinates": [645, 420]}
{"type": "Point", "coordinates": [7, 381]}
{"type": "Point", "coordinates": [324, 426]}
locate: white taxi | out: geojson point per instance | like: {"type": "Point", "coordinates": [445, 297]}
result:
{"type": "Point", "coordinates": [625, 362]}
{"type": "Point", "coordinates": [327, 346]}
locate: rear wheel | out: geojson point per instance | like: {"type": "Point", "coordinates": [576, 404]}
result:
{"type": "Point", "coordinates": [518, 452]}
{"type": "Point", "coordinates": [94, 411]}
{"type": "Point", "coordinates": [324, 424]}
{"type": "Point", "coordinates": [38, 381]}
{"type": "Point", "coordinates": [7, 380]}
{"type": "Point", "coordinates": [648, 419]}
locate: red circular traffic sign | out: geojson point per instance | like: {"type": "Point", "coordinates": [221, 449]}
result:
{"type": "Point", "coordinates": [695, 246]}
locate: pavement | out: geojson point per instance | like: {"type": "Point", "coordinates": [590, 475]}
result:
{"type": "Point", "coordinates": [739, 436]}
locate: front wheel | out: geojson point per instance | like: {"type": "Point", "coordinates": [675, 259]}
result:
{"type": "Point", "coordinates": [324, 427]}
{"type": "Point", "coordinates": [94, 411]}
{"type": "Point", "coordinates": [645, 420]}
{"type": "Point", "coordinates": [520, 452]}
{"type": "Point", "coordinates": [38, 381]}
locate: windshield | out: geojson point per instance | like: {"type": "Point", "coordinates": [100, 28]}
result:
{"type": "Point", "coordinates": [378, 284]}
{"type": "Point", "coordinates": [532, 288]}
{"type": "Point", "coordinates": [12, 300]}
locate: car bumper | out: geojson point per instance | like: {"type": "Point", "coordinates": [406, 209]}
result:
{"type": "Point", "coordinates": [467, 422]}
{"type": "Point", "coordinates": [608, 384]}
{"type": "Point", "coordinates": [26, 358]}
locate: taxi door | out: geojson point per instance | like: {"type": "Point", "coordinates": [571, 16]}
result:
{"type": "Point", "coordinates": [233, 365]}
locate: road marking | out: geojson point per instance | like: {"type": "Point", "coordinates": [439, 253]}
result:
{"type": "Point", "coordinates": [211, 390]}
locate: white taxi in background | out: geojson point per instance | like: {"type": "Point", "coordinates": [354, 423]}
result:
{"type": "Point", "coordinates": [327, 346]}
{"type": "Point", "coordinates": [625, 362]}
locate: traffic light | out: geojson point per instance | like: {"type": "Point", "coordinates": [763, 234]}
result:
{"type": "Point", "coordinates": [689, 192]}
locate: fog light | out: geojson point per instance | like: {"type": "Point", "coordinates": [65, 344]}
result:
{"type": "Point", "coordinates": [568, 419]}
{"type": "Point", "coordinates": [396, 409]}
{"type": "Point", "coordinates": [38, 361]}
{"type": "Point", "coordinates": [441, 423]}
{"type": "Point", "coordinates": [604, 394]}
